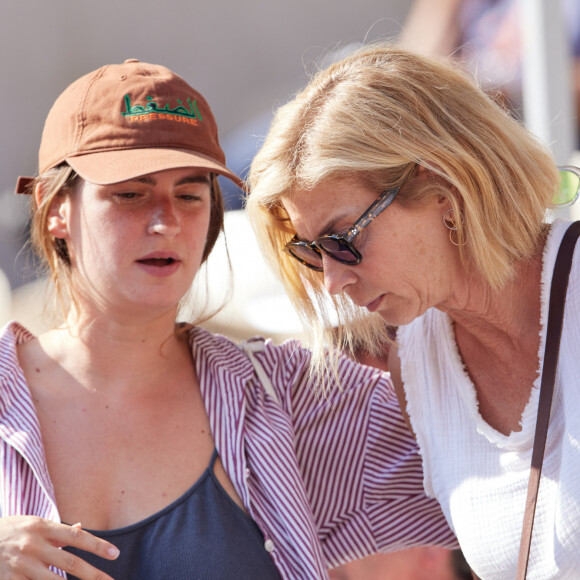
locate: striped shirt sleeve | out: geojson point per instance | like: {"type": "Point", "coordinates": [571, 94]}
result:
{"type": "Point", "coordinates": [360, 464]}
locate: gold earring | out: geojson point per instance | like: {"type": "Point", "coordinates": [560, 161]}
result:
{"type": "Point", "coordinates": [450, 223]}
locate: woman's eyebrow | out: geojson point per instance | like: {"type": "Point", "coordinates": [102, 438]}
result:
{"type": "Point", "coordinates": [148, 180]}
{"type": "Point", "coordinates": [145, 179]}
{"type": "Point", "coordinates": [330, 228]}
{"type": "Point", "coordinates": [326, 230]}
{"type": "Point", "coordinates": [194, 179]}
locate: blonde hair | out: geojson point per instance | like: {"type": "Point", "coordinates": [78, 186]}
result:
{"type": "Point", "coordinates": [376, 115]}
{"type": "Point", "coordinates": [53, 252]}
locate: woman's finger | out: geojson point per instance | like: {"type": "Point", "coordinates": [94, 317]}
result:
{"type": "Point", "coordinates": [76, 566]}
{"type": "Point", "coordinates": [76, 537]}
{"type": "Point", "coordinates": [28, 547]}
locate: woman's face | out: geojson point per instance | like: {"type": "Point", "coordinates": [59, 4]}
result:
{"type": "Point", "coordinates": [135, 243]}
{"type": "Point", "coordinates": [409, 263]}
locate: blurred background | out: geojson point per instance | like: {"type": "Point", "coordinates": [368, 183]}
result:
{"type": "Point", "coordinates": [247, 58]}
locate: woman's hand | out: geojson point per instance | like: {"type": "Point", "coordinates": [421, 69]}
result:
{"type": "Point", "coordinates": [29, 545]}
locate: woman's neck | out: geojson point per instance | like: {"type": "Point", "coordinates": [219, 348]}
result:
{"type": "Point", "coordinates": [499, 320]}
{"type": "Point", "coordinates": [105, 354]}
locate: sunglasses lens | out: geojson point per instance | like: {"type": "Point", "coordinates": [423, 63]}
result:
{"type": "Point", "coordinates": [339, 250]}
{"type": "Point", "coordinates": [569, 186]}
{"type": "Point", "coordinates": [307, 255]}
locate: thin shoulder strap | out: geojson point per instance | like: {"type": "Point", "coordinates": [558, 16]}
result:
{"type": "Point", "coordinates": [213, 459]}
{"type": "Point", "coordinates": [250, 347]}
{"type": "Point", "coordinates": [552, 349]}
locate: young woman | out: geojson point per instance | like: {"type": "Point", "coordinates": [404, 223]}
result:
{"type": "Point", "coordinates": [149, 449]}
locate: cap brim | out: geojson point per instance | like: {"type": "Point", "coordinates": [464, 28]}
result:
{"type": "Point", "coordinates": [23, 184]}
{"type": "Point", "coordinates": [114, 166]}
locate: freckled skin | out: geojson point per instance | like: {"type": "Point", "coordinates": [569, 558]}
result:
{"type": "Point", "coordinates": [116, 225]}
{"type": "Point", "coordinates": [410, 265]}
{"type": "Point", "coordinates": [408, 262]}
{"type": "Point", "coordinates": [118, 369]}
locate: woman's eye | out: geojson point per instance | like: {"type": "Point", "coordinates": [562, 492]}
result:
{"type": "Point", "coordinates": [127, 195]}
{"type": "Point", "coordinates": [192, 194]}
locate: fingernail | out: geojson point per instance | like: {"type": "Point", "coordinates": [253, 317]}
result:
{"type": "Point", "coordinates": [113, 552]}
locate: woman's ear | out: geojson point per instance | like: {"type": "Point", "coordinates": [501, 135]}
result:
{"type": "Point", "coordinates": [437, 177]}
{"type": "Point", "coordinates": [57, 215]}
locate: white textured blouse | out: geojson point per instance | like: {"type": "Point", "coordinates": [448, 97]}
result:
{"type": "Point", "coordinates": [479, 475]}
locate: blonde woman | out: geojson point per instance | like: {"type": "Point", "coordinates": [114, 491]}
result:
{"type": "Point", "coordinates": [394, 184]}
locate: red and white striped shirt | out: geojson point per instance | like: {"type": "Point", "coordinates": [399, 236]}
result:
{"type": "Point", "coordinates": [327, 479]}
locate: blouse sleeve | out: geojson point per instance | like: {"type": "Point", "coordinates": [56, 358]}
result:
{"type": "Point", "coordinates": [360, 464]}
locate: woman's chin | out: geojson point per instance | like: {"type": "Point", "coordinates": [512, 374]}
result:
{"type": "Point", "coordinates": [397, 317]}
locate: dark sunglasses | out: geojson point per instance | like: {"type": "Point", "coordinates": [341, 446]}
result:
{"type": "Point", "coordinates": [339, 247]}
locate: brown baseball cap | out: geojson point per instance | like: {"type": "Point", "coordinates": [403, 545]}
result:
{"type": "Point", "coordinates": [126, 120]}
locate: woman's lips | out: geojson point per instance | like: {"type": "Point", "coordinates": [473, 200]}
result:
{"type": "Point", "coordinates": [157, 261]}
{"type": "Point", "coordinates": [160, 264]}
{"type": "Point", "coordinates": [373, 306]}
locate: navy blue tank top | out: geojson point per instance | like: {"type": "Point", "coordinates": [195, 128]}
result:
{"type": "Point", "coordinates": [202, 535]}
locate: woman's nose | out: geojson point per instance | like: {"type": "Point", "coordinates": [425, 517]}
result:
{"type": "Point", "coordinates": [164, 221]}
{"type": "Point", "coordinates": [337, 276]}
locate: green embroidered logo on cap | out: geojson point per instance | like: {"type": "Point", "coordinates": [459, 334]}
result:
{"type": "Point", "coordinates": [152, 111]}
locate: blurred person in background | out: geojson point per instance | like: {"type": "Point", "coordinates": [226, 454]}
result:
{"type": "Point", "coordinates": [485, 37]}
